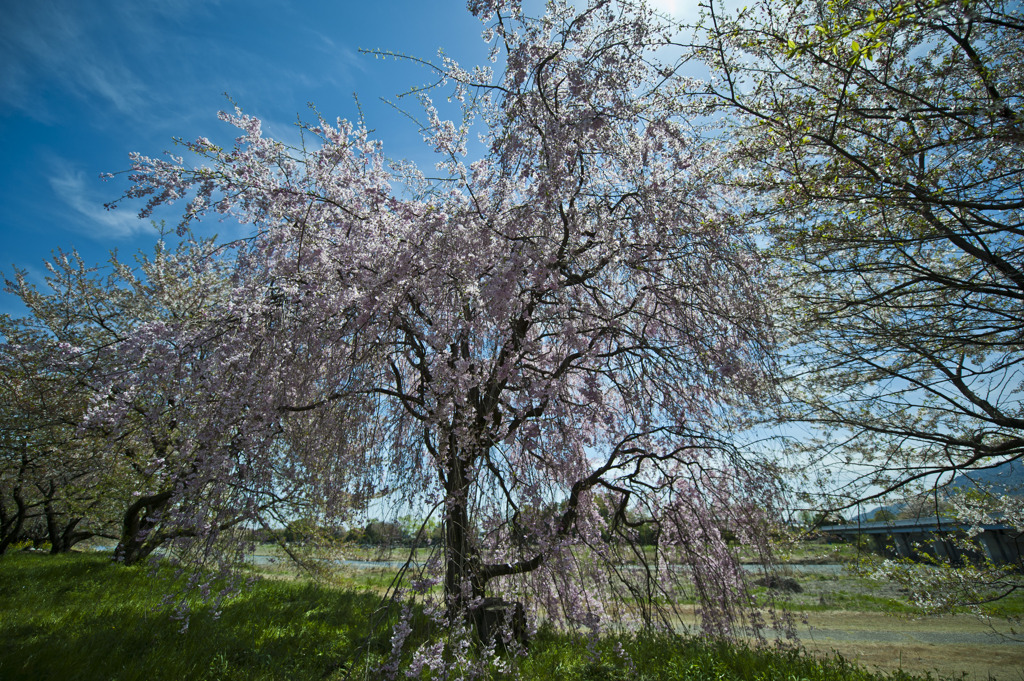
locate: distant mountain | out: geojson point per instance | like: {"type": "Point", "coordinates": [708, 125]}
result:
{"type": "Point", "coordinates": [1007, 478]}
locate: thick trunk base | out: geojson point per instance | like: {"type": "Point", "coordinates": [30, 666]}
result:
{"type": "Point", "coordinates": [501, 622]}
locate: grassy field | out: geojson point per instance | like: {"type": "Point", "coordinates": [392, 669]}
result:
{"type": "Point", "coordinates": [78, 616]}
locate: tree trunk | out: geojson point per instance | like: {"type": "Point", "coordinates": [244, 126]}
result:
{"type": "Point", "coordinates": [466, 577]}
{"type": "Point", "coordinates": [60, 534]}
{"type": "Point", "coordinates": [139, 522]}
{"type": "Point", "coordinates": [12, 526]}
{"type": "Point", "coordinates": [463, 581]}
{"type": "Point", "coordinates": [11, 529]}
{"type": "Point", "coordinates": [52, 528]}
{"type": "Point", "coordinates": [63, 536]}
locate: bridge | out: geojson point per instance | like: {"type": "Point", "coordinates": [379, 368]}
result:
{"type": "Point", "coordinates": [909, 538]}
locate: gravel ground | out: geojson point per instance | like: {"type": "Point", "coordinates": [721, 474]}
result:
{"type": "Point", "coordinates": [945, 646]}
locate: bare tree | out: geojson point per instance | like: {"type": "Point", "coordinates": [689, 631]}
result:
{"type": "Point", "coordinates": [885, 142]}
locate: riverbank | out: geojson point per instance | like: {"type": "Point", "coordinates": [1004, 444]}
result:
{"type": "Point", "coordinates": [79, 616]}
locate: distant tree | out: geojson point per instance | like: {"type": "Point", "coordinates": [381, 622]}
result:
{"type": "Point", "coordinates": [70, 359]}
{"type": "Point", "coordinates": [379, 532]}
{"type": "Point", "coordinates": [301, 530]}
{"type": "Point", "coordinates": [570, 314]}
{"type": "Point", "coordinates": [420, 532]}
{"type": "Point", "coordinates": [50, 475]}
{"type": "Point", "coordinates": [356, 535]}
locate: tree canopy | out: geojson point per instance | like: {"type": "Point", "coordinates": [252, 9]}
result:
{"type": "Point", "coordinates": [538, 340]}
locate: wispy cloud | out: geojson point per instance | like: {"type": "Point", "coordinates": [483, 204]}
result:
{"type": "Point", "coordinates": [82, 195]}
{"type": "Point", "coordinates": [342, 63]}
{"type": "Point", "coordinates": [46, 47]}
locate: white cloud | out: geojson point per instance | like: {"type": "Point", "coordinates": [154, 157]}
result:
{"type": "Point", "coordinates": [45, 46]}
{"type": "Point", "coordinates": [84, 197]}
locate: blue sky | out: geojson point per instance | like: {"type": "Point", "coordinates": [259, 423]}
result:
{"type": "Point", "coordinates": [85, 82]}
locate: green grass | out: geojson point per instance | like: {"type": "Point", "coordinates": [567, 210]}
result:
{"type": "Point", "coordinates": [80, 617]}
{"type": "Point", "coordinates": [664, 658]}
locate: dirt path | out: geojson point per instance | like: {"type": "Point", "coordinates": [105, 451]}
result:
{"type": "Point", "coordinates": [947, 646]}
